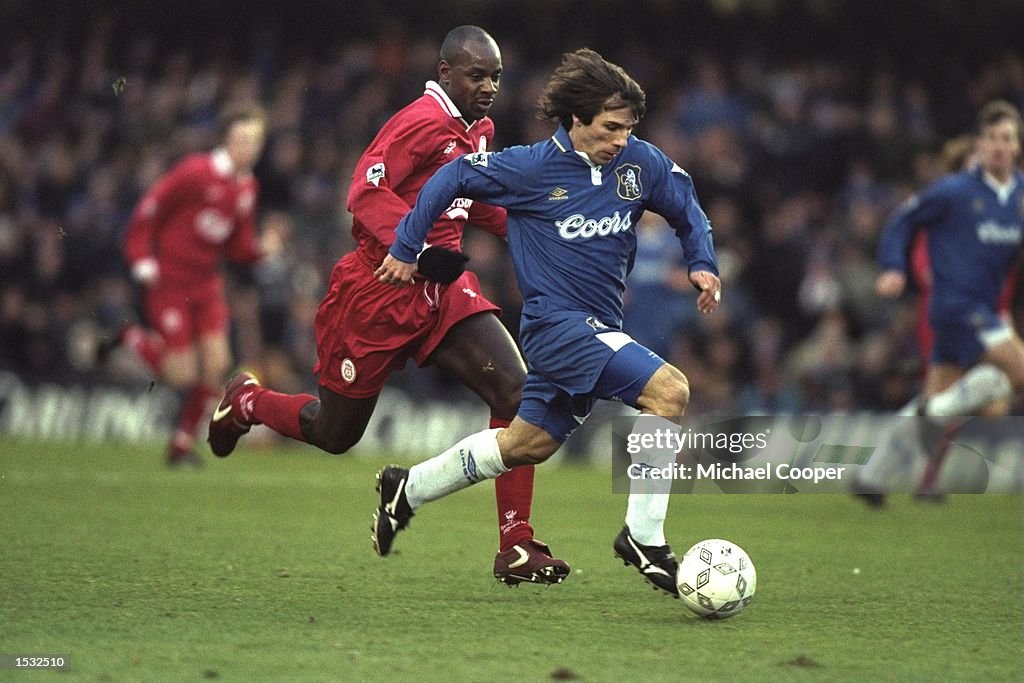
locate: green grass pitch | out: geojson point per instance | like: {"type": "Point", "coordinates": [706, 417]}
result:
{"type": "Point", "coordinates": [259, 567]}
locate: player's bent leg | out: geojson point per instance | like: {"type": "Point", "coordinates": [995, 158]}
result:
{"type": "Point", "coordinates": [335, 423]}
{"type": "Point", "coordinates": [481, 354]}
{"type": "Point", "coordinates": [1008, 356]}
{"type": "Point", "coordinates": [667, 393]}
{"type": "Point", "coordinates": [475, 458]}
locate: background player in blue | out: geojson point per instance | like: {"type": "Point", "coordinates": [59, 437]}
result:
{"type": "Point", "coordinates": [975, 224]}
{"type": "Point", "coordinates": [572, 203]}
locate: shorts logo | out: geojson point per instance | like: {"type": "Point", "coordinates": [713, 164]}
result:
{"type": "Point", "coordinates": [629, 187]}
{"type": "Point", "coordinates": [348, 370]}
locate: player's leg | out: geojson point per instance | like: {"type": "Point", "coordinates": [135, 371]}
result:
{"type": "Point", "coordinates": [180, 371]}
{"type": "Point", "coordinates": [481, 354]}
{"type": "Point", "coordinates": [350, 319]}
{"type": "Point", "coordinates": [179, 366]}
{"type": "Point", "coordinates": [661, 392]}
{"type": "Point", "coordinates": [951, 391]}
{"type": "Point", "coordinates": [546, 417]}
{"type": "Point", "coordinates": [332, 422]}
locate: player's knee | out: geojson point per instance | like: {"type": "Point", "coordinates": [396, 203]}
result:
{"type": "Point", "coordinates": [675, 397]}
{"type": "Point", "coordinates": [530, 446]}
{"type": "Point", "coordinates": [504, 401]}
{"type": "Point", "coordinates": [336, 444]}
{"type": "Point", "coordinates": [503, 393]}
{"type": "Point", "coordinates": [335, 441]}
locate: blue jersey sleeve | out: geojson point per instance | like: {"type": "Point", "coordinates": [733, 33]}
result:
{"type": "Point", "coordinates": [674, 198]}
{"type": "Point", "coordinates": [484, 176]}
{"type": "Point", "coordinates": [918, 212]}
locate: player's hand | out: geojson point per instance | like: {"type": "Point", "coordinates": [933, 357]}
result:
{"type": "Point", "coordinates": [890, 284]}
{"type": "Point", "coordinates": [710, 290]}
{"type": "Point", "coordinates": [146, 271]}
{"type": "Point", "coordinates": [438, 264]}
{"type": "Point", "coordinates": [394, 272]}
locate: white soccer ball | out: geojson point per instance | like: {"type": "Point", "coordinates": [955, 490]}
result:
{"type": "Point", "coordinates": [716, 579]}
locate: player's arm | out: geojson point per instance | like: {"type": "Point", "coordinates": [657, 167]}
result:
{"type": "Point", "coordinates": [917, 212]}
{"type": "Point", "coordinates": [371, 197]}
{"type": "Point", "coordinates": [474, 176]}
{"type": "Point", "coordinates": [674, 198]}
{"type": "Point", "coordinates": [148, 219]}
{"type": "Point", "coordinates": [493, 219]}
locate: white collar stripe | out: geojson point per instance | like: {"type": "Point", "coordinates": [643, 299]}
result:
{"type": "Point", "coordinates": [435, 91]}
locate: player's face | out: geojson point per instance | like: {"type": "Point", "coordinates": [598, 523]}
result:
{"type": "Point", "coordinates": [605, 136]}
{"type": "Point", "coordinates": [245, 144]}
{"type": "Point", "coordinates": [999, 148]}
{"type": "Point", "coordinates": [471, 81]}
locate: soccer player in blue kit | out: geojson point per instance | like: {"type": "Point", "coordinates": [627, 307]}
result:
{"type": "Point", "coordinates": [975, 224]}
{"type": "Point", "coordinates": [572, 201]}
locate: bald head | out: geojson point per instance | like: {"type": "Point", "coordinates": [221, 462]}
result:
{"type": "Point", "coordinates": [462, 41]}
{"type": "Point", "coordinates": [469, 70]}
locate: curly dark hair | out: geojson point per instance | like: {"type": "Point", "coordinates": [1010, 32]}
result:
{"type": "Point", "coordinates": [585, 84]}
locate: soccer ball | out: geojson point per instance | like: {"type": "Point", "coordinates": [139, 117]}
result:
{"type": "Point", "coordinates": [716, 579]}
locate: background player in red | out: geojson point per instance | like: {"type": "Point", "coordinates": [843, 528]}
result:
{"type": "Point", "coordinates": [198, 213]}
{"type": "Point", "coordinates": [366, 329]}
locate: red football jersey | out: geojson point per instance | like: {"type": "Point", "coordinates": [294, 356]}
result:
{"type": "Point", "coordinates": [411, 146]}
{"type": "Point", "coordinates": [198, 212]}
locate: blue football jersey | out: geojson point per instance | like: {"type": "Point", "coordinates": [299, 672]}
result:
{"type": "Point", "coordinates": [570, 224]}
{"type": "Point", "coordinates": [974, 239]}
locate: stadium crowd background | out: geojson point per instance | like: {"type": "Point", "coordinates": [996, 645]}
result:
{"type": "Point", "coordinates": [802, 123]}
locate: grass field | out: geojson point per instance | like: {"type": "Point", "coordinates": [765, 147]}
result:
{"type": "Point", "coordinates": [260, 568]}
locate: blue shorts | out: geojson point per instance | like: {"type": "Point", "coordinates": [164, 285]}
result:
{"type": "Point", "coordinates": [586, 362]}
{"type": "Point", "coordinates": [963, 334]}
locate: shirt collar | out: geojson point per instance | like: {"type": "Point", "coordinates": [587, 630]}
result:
{"type": "Point", "coordinates": [1002, 190]}
{"type": "Point", "coordinates": [437, 92]}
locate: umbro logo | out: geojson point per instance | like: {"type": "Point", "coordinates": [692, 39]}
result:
{"type": "Point", "coordinates": [558, 194]}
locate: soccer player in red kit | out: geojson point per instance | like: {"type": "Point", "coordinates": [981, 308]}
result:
{"type": "Point", "coordinates": [366, 329]}
{"type": "Point", "coordinates": [198, 213]}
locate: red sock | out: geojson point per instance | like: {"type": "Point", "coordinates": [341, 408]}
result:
{"type": "Point", "coordinates": [514, 493]}
{"type": "Point", "coordinates": [192, 411]}
{"type": "Point", "coordinates": [194, 407]}
{"type": "Point", "coordinates": [280, 412]}
{"type": "Point", "coordinates": [147, 345]}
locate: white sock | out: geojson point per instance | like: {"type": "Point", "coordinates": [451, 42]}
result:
{"type": "Point", "coordinates": [892, 460]}
{"type": "Point", "coordinates": [475, 458]}
{"type": "Point", "coordinates": [979, 386]}
{"type": "Point", "coordinates": [647, 506]}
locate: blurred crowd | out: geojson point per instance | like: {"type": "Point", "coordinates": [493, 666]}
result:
{"type": "Point", "coordinates": [796, 162]}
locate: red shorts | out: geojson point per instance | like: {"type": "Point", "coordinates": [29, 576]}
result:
{"type": "Point", "coordinates": [366, 329]}
{"type": "Point", "coordinates": [184, 314]}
